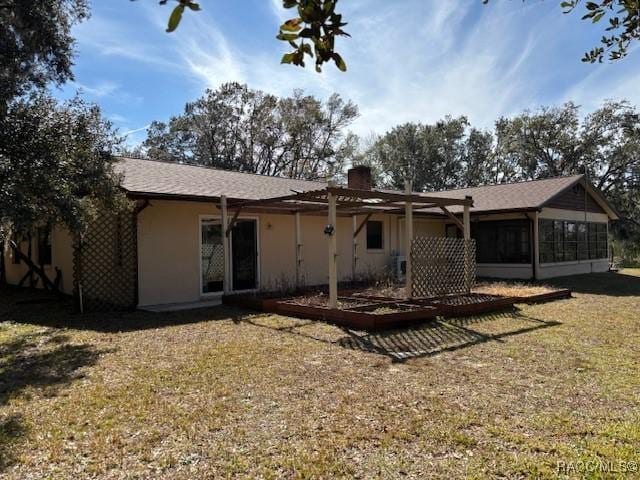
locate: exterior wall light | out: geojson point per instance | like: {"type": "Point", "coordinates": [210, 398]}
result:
{"type": "Point", "coordinates": [329, 229]}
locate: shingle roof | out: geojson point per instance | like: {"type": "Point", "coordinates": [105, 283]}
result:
{"type": "Point", "coordinates": [513, 196]}
{"type": "Point", "coordinates": [149, 177]}
{"type": "Point", "coordinates": [172, 179]}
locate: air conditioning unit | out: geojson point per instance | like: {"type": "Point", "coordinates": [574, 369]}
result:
{"type": "Point", "coordinates": [401, 267]}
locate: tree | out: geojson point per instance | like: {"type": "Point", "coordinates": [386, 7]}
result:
{"type": "Point", "coordinates": [447, 154]}
{"type": "Point", "coordinates": [237, 128]}
{"type": "Point", "coordinates": [55, 166]}
{"type": "Point", "coordinates": [623, 17]}
{"type": "Point", "coordinates": [539, 144]}
{"type": "Point", "coordinates": [554, 141]}
{"type": "Point", "coordinates": [36, 44]}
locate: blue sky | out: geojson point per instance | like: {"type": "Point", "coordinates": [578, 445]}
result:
{"type": "Point", "coordinates": [409, 60]}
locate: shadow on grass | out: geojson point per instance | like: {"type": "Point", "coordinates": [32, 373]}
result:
{"type": "Point", "coordinates": [44, 361]}
{"type": "Point", "coordinates": [38, 308]}
{"type": "Point", "coordinates": [428, 339]}
{"type": "Point", "coordinates": [607, 283]}
{"type": "Point", "coordinates": [12, 430]}
{"type": "Point", "coordinates": [440, 336]}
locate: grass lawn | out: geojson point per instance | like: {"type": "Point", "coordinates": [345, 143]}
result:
{"type": "Point", "coordinates": [226, 393]}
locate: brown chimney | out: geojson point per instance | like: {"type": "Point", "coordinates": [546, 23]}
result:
{"type": "Point", "coordinates": [359, 178]}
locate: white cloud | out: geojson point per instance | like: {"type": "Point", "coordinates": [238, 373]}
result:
{"type": "Point", "coordinates": [101, 89]}
{"type": "Point", "coordinates": [126, 133]}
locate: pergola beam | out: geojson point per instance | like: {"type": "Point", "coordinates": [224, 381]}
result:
{"type": "Point", "coordinates": [349, 197]}
{"type": "Point", "coordinates": [362, 225]}
{"type": "Point", "coordinates": [233, 221]}
{"type": "Point", "coordinates": [453, 218]}
{"type": "Point", "coordinates": [398, 197]}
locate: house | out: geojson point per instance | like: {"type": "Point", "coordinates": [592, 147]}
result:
{"type": "Point", "coordinates": [170, 250]}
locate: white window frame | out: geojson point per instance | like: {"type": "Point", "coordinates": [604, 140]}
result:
{"type": "Point", "coordinates": [216, 218]}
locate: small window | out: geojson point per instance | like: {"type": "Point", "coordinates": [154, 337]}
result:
{"type": "Point", "coordinates": [374, 235]}
{"type": "Point", "coordinates": [44, 246]}
{"type": "Point", "coordinates": [452, 231]}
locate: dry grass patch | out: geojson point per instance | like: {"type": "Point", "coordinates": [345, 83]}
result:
{"type": "Point", "coordinates": [223, 393]}
{"type": "Point", "coordinates": [511, 289]}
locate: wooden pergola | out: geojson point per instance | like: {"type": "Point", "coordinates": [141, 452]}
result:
{"type": "Point", "coordinates": [347, 201]}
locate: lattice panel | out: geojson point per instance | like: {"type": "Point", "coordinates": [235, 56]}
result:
{"type": "Point", "coordinates": [213, 262]}
{"type": "Point", "coordinates": [442, 266]}
{"type": "Point", "coordinates": [106, 263]}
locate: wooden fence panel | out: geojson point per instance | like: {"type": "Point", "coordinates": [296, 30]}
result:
{"type": "Point", "coordinates": [442, 266]}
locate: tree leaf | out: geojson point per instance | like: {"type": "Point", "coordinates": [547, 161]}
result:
{"type": "Point", "coordinates": [339, 62]}
{"type": "Point", "coordinates": [288, 58]}
{"type": "Point", "coordinates": [174, 19]}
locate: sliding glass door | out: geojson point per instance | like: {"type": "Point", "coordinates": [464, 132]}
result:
{"type": "Point", "coordinates": [244, 255]}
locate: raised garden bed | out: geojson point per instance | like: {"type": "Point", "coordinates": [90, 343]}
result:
{"type": "Point", "coordinates": [370, 309]}
{"type": "Point", "coordinates": [471, 304]}
{"type": "Point", "coordinates": [372, 316]}
{"type": "Point", "coordinates": [546, 297]}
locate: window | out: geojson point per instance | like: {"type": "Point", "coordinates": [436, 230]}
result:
{"type": "Point", "coordinates": [583, 241]}
{"type": "Point", "coordinates": [562, 241]}
{"type": "Point", "coordinates": [452, 231]}
{"type": "Point", "coordinates": [502, 241]}
{"type": "Point", "coordinates": [374, 235]}
{"type": "Point", "coordinates": [570, 241]}
{"type": "Point", "coordinates": [44, 246]}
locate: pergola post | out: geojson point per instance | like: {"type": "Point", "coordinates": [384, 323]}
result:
{"type": "Point", "coordinates": [333, 251]}
{"type": "Point", "coordinates": [354, 255]}
{"type": "Point", "coordinates": [408, 239]}
{"type": "Point", "coordinates": [466, 221]}
{"type": "Point", "coordinates": [226, 284]}
{"type": "Point", "coordinates": [536, 245]}
{"type": "Point", "coordinates": [298, 251]}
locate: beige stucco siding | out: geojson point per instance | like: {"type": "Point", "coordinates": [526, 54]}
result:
{"type": "Point", "coordinates": [168, 250]}
{"type": "Point", "coordinates": [422, 227]}
{"type": "Point", "coordinates": [168, 268]}
{"type": "Point", "coordinates": [61, 257]}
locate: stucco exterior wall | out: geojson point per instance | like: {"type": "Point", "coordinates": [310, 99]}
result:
{"type": "Point", "coordinates": [551, 270]}
{"type": "Point", "coordinates": [520, 271]}
{"type": "Point", "coordinates": [168, 250]}
{"type": "Point", "coordinates": [422, 227]}
{"type": "Point", "coordinates": [61, 257]}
